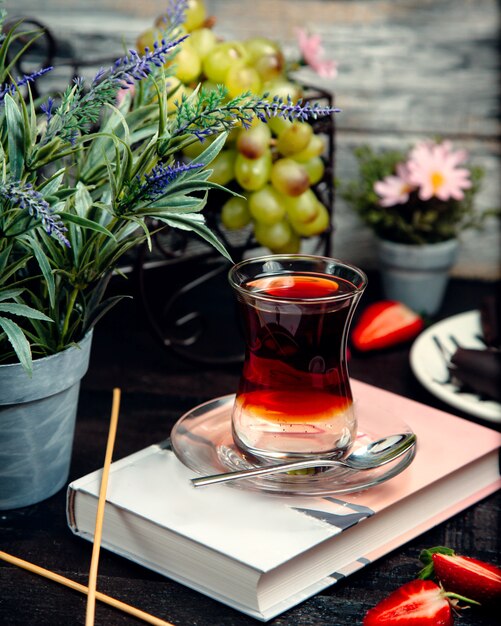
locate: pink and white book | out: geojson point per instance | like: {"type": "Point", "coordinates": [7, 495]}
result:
{"type": "Point", "coordinates": [262, 554]}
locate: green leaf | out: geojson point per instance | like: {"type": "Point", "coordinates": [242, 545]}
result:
{"type": "Point", "coordinates": [83, 200]}
{"type": "Point", "coordinates": [210, 153]}
{"type": "Point", "coordinates": [425, 557]}
{"type": "Point", "coordinates": [15, 135]}
{"type": "Point", "coordinates": [11, 269]}
{"type": "Point", "coordinates": [23, 310]}
{"type": "Point", "coordinates": [51, 186]}
{"type": "Point", "coordinates": [96, 295]}
{"type": "Point", "coordinates": [177, 203]}
{"type": "Point", "coordinates": [9, 294]}
{"type": "Point", "coordinates": [146, 161]}
{"type": "Point", "coordinates": [197, 226]}
{"type": "Point", "coordinates": [100, 310]}
{"type": "Point", "coordinates": [102, 142]}
{"type": "Point", "coordinates": [45, 269]}
{"type": "Point", "coordinates": [27, 37]}
{"type": "Point", "coordinates": [82, 221]}
{"type": "Point", "coordinates": [32, 120]}
{"type": "Point", "coordinates": [19, 342]}
{"type": "Point", "coordinates": [4, 257]}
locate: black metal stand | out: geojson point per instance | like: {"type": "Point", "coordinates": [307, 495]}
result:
{"type": "Point", "coordinates": [196, 317]}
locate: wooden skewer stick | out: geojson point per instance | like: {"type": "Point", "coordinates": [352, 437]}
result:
{"type": "Point", "coordinates": [67, 582]}
{"type": "Point", "coordinates": [98, 531]}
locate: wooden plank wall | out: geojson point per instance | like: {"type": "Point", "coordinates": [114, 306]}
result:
{"type": "Point", "coordinates": [408, 69]}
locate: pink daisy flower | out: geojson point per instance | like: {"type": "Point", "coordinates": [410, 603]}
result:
{"type": "Point", "coordinates": [433, 168]}
{"type": "Point", "coordinates": [312, 52]}
{"type": "Point", "coordinates": [394, 190]}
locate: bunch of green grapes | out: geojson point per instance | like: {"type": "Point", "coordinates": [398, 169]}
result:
{"type": "Point", "coordinates": [274, 165]}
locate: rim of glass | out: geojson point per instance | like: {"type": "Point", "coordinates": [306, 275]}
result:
{"type": "Point", "coordinates": [358, 290]}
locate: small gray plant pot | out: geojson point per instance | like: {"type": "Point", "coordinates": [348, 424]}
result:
{"type": "Point", "coordinates": [416, 275]}
{"type": "Point", "coordinates": [37, 423]}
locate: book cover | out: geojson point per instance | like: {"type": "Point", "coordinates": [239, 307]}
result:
{"type": "Point", "coordinates": [262, 553]}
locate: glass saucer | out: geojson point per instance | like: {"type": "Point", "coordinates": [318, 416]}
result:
{"type": "Point", "coordinates": [202, 440]}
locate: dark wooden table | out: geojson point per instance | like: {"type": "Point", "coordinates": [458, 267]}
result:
{"type": "Point", "coordinates": [157, 387]}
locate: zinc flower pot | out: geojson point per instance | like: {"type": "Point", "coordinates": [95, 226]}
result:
{"type": "Point", "coordinates": [416, 275]}
{"type": "Point", "coordinates": [37, 423]}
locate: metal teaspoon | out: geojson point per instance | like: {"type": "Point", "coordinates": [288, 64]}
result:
{"type": "Point", "coordinates": [372, 455]}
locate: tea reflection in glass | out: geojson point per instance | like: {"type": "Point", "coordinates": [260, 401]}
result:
{"type": "Point", "coordinates": [294, 397]}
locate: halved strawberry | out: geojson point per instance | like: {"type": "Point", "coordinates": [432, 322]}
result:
{"type": "Point", "coordinates": [385, 323]}
{"type": "Point", "coordinates": [417, 603]}
{"type": "Point", "coordinates": [469, 577]}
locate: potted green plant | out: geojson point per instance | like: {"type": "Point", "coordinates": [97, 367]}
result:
{"type": "Point", "coordinates": [417, 203]}
{"type": "Point", "coordinates": [83, 177]}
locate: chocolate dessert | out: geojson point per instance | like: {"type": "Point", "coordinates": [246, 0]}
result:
{"type": "Point", "coordinates": [489, 320]}
{"type": "Point", "coordinates": [476, 370]}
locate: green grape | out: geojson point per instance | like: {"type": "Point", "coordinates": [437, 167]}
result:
{"type": "Point", "coordinates": [289, 177]}
{"type": "Point", "coordinates": [235, 213]}
{"type": "Point", "coordinates": [278, 125]}
{"type": "Point", "coordinates": [315, 147]}
{"type": "Point", "coordinates": [233, 135]}
{"type": "Point", "coordinates": [273, 236]}
{"type": "Point", "coordinates": [209, 86]}
{"type": "Point", "coordinates": [315, 168]}
{"type": "Point", "coordinates": [282, 88]}
{"type": "Point", "coordinates": [266, 57]}
{"type": "Point", "coordinates": [221, 58]}
{"type": "Point", "coordinates": [270, 66]}
{"type": "Point", "coordinates": [294, 138]}
{"type": "Point", "coordinates": [147, 39]}
{"type": "Point", "coordinates": [314, 227]}
{"type": "Point", "coordinates": [255, 141]}
{"type": "Point", "coordinates": [302, 208]}
{"type": "Point", "coordinates": [195, 14]}
{"type": "Point", "coordinates": [203, 41]}
{"type": "Point", "coordinates": [260, 46]}
{"type": "Point", "coordinates": [187, 63]}
{"type": "Point", "coordinates": [252, 174]}
{"type": "Point", "coordinates": [293, 246]}
{"type": "Point", "coordinates": [223, 167]}
{"type": "Point", "coordinates": [241, 78]}
{"type": "Point", "coordinates": [266, 206]}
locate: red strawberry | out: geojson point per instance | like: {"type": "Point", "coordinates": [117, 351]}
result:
{"type": "Point", "coordinates": [469, 577]}
{"type": "Point", "coordinates": [418, 603]}
{"type": "Point", "coordinates": [385, 323]}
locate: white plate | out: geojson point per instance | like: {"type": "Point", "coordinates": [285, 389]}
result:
{"type": "Point", "coordinates": [430, 367]}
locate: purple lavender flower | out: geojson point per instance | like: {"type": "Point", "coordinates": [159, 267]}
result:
{"type": "Point", "coordinates": [154, 184]}
{"type": "Point", "coordinates": [136, 67]}
{"type": "Point", "coordinates": [211, 114]}
{"type": "Point", "coordinates": [47, 108]}
{"type": "Point", "coordinates": [176, 12]}
{"type": "Point", "coordinates": [10, 88]}
{"type": "Point", "coordinates": [23, 196]}
{"type": "Point", "coordinates": [78, 110]}
{"type": "Point", "coordinates": [293, 111]}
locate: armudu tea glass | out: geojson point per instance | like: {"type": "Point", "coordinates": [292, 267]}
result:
{"type": "Point", "coordinates": [294, 397]}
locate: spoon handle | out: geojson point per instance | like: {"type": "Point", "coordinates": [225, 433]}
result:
{"type": "Point", "coordinates": [270, 469]}
{"type": "Point", "coordinates": [379, 453]}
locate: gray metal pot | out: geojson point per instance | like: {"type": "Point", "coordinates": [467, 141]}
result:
{"type": "Point", "coordinates": [417, 275]}
{"type": "Point", "coordinates": [37, 423]}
